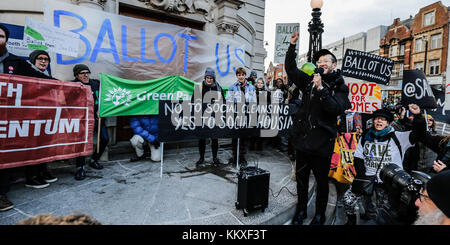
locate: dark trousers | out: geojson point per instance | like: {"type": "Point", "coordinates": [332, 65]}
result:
{"type": "Point", "coordinates": [256, 143]}
{"type": "Point", "coordinates": [4, 181]}
{"type": "Point", "coordinates": [320, 167]}
{"type": "Point", "coordinates": [202, 147]}
{"type": "Point", "coordinates": [104, 140]}
{"type": "Point", "coordinates": [35, 170]}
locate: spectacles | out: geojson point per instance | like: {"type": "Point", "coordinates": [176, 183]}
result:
{"type": "Point", "coordinates": [380, 119]}
{"type": "Point", "coordinates": [43, 59]}
{"type": "Point", "coordinates": [424, 196]}
{"type": "Point", "coordinates": [319, 62]}
{"type": "Point", "coordinates": [84, 73]}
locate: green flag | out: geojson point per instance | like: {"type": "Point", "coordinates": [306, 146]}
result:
{"type": "Point", "coordinates": [122, 97]}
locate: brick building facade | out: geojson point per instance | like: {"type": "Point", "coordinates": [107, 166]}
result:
{"type": "Point", "coordinates": [430, 28]}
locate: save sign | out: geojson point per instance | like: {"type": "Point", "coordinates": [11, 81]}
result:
{"type": "Point", "coordinates": [365, 97]}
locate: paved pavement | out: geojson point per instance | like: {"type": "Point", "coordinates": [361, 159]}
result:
{"type": "Point", "coordinates": [126, 193]}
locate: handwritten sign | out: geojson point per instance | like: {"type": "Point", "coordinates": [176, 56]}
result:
{"type": "Point", "coordinates": [367, 67]}
{"type": "Point", "coordinates": [139, 49]}
{"type": "Point", "coordinates": [282, 40]}
{"type": "Point", "coordinates": [187, 121]}
{"type": "Point", "coordinates": [40, 36]}
{"type": "Point", "coordinates": [417, 90]}
{"type": "Point", "coordinates": [440, 113]}
{"type": "Point", "coordinates": [365, 97]}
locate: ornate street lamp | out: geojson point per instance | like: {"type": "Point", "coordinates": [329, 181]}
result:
{"type": "Point", "coordinates": [315, 29]}
{"type": "Point", "coordinates": [424, 39]}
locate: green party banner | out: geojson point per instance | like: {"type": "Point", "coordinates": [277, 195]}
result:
{"type": "Point", "coordinates": [122, 97]}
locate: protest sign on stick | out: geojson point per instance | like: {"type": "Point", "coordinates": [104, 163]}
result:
{"type": "Point", "coordinates": [417, 90]}
{"type": "Point", "coordinates": [367, 67]}
{"type": "Point", "coordinates": [364, 97]}
{"type": "Point", "coordinates": [282, 40]}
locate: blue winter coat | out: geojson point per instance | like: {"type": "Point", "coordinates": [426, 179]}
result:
{"type": "Point", "coordinates": [145, 126]}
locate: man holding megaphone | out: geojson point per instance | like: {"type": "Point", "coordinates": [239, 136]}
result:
{"type": "Point", "coordinates": [325, 97]}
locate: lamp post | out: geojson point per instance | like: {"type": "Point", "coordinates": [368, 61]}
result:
{"type": "Point", "coordinates": [424, 38]}
{"type": "Point", "coordinates": [315, 29]}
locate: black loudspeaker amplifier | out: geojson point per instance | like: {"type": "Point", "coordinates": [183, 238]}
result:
{"type": "Point", "coordinates": [253, 189]}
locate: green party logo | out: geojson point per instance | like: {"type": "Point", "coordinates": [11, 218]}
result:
{"type": "Point", "coordinates": [119, 96]}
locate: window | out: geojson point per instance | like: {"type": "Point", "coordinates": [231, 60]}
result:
{"type": "Point", "coordinates": [428, 19]}
{"type": "Point", "coordinates": [419, 45]}
{"type": "Point", "coordinates": [402, 49]}
{"type": "Point", "coordinates": [436, 41]}
{"type": "Point", "coordinates": [434, 67]}
{"type": "Point", "coordinates": [418, 65]}
{"type": "Point", "coordinates": [400, 71]}
{"type": "Point", "coordinates": [394, 51]}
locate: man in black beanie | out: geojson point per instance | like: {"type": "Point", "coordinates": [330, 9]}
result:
{"type": "Point", "coordinates": [82, 74]}
{"type": "Point", "coordinates": [434, 201]}
{"type": "Point", "coordinates": [14, 65]}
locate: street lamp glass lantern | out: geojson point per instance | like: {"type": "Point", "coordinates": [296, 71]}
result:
{"type": "Point", "coordinates": [316, 4]}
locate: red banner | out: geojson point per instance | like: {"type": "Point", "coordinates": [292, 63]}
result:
{"type": "Point", "coordinates": [43, 120]}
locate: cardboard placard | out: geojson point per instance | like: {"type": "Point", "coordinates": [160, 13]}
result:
{"type": "Point", "coordinates": [367, 67]}
{"type": "Point", "coordinates": [417, 90]}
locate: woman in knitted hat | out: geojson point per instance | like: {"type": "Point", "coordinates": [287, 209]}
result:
{"type": "Point", "coordinates": [380, 145]}
{"type": "Point", "coordinates": [39, 61]}
{"type": "Point", "coordinates": [39, 176]}
{"type": "Point", "coordinates": [257, 142]}
{"type": "Point", "coordinates": [210, 85]}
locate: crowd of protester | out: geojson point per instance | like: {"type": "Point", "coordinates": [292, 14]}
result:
{"type": "Point", "coordinates": [404, 134]}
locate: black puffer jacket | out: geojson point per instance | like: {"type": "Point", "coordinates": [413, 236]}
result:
{"type": "Point", "coordinates": [95, 88]}
{"type": "Point", "coordinates": [315, 124]}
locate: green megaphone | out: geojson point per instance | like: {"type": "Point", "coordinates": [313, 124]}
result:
{"type": "Point", "coordinates": [308, 68]}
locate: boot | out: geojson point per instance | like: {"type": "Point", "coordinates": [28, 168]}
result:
{"type": "Point", "coordinates": [216, 161]}
{"type": "Point", "coordinates": [80, 174]}
{"type": "Point", "coordinates": [135, 158]}
{"type": "Point", "coordinates": [200, 161]}
{"type": "Point", "coordinates": [155, 153]}
{"type": "Point", "coordinates": [318, 219]}
{"type": "Point", "coordinates": [299, 217]}
{"type": "Point", "coordinates": [351, 219]}
{"type": "Point", "coordinates": [95, 165]}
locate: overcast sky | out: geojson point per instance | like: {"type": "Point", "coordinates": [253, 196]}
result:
{"type": "Point", "coordinates": [341, 18]}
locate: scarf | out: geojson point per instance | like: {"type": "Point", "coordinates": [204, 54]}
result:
{"type": "Point", "coordinates": [37, 69]}
{"type": "Point", "coordinates": [372, 134]}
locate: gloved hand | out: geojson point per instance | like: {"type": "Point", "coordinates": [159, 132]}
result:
{"type": "Point", "coordinates": [156, 143]}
